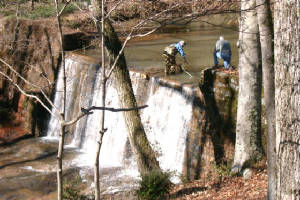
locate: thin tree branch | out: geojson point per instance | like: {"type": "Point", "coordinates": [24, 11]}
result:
{"type": "Point", "coordinates": [91, 16]}
{"type": "Point", "coordinates": [129, 36]}
{"type": "Point", "coordinates": [109, 12]}
{"type": "Point", "coordinates": [63, 8]}
{"type": "Point", "coordinates": [87, 111]}
{"type": "Point", "coordinates": [120, 53]}
{"type": "Point", "coordinates": [26, 94]}
{"type": "Point", "coordinates": [31, 84]}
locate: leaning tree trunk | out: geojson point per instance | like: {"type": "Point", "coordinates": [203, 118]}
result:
{"type": "Point", "coordinates": [248, 146]}
{"type": "Point", "coordinates": [141, 147]}
{"type": "Point", "coordinates": [287, 98]}
{"type": "Point", "coordinates": [145, 155]}
{"type": "Point", "coordinates": [265, 25]}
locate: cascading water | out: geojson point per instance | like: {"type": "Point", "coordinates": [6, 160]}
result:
{"type": "Point", "coordinates": [166, 119]}
{"type": "Point", "coordinates": [166, 122]}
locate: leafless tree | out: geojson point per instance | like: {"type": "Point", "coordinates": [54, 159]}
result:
{"type": "Point", "coordinates": [287, 95]}
{"type": "Point", "coordinates": [265, 25]}
{"type": "Point", "coordinates": [248, 146]}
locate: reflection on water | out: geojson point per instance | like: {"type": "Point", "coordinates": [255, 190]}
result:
{"type": "Point", "coordinates": [199, 48]}
{"type": "Point", "coordinates": [146, 52]}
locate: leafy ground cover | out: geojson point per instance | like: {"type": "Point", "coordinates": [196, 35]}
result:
{"type": "Point", "coordinates": [226, 188]}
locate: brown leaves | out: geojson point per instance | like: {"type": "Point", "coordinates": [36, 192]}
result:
{"type": "Point", "coordinates": [228, 188]}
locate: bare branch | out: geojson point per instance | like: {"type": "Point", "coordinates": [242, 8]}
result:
{"type": "Point", "coordinates": [28, 95]}
{"type": "Point", "coordinates": [114, 109]}
{"type": "Point", "coordinates": [29, 83]}
{"type": "Point", "coordinates": [77, 6]}
{"type": "Point", "coordinates": [109, 12]}
{"type": "Point", "coordinates": [63, 8]}
{"type": "Point", "coordinates": [147, 33]}
{"type": "Point", "coordinates": [120, 53]}
{"type": "Point", "coordinates": [88, 112]}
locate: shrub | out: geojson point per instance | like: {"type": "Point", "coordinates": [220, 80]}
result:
{"type": "Point", "coordinates": [223, 169]}
{"type": "Point", "coordinates": [154, 185]}
{"type": "Point", "coordinates": [71, 190]}
{"type": "Point", "coordinates": [45, 11]}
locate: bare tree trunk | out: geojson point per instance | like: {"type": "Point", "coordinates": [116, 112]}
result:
{"type": "Point", "coordinates": [266, 36]}
{"type": "Point", "coordinates": [59, 162]}
{"type": "Point", "coordinates": [102, 117]}
{"type": "Point", "coordinates": [287, 95]}
{"type": "Point", "coordinates": [248, 146]}
{"type": "Point", "coordinates": [142, 150]}
{"type": "Point", "coordinates": [62, 114]}
{"type": "Point", "coordinates": [145, 155]}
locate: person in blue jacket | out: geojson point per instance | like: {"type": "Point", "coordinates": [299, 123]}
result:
{"type": "Point", "coordinates": [222, 50]}
{"type": "Point", "coordinates": [169, 55]}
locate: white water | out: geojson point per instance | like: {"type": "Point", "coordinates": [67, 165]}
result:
{"type": "Point", "coordinates": [166, 120]}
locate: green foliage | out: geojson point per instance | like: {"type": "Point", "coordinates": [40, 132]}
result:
{"type": "Point", "coordinates": [71, 190]}
{"type": "Point", "coordinates": [73, 24]}
{"type": "Point", "coordinates": [154, 185]}
{"type": "Point", "coordinates": [183, 178]}
{"type": "Point", "coordinates": [47, 11]}
{"type": "Point", "coordinates": [69, 9]}
{"type": "Point", "coordinates": [40, 12]}
{"type": "Point", "coordinates": [223, 169]}
{"type": "Point", "coordinates": [41, 9]}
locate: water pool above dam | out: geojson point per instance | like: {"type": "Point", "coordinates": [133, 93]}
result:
{"type": "Point", "coordinates": [146, 52]}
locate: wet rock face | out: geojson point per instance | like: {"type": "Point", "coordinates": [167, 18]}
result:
{"type": "Point", "coordinates": [224, 87]}
{"type": "Point", "coordinates": [32, 48]}
{"type": "Point", "coordinates": [211, 139]}
{"type": "Point", "coordinates": [33, 51]}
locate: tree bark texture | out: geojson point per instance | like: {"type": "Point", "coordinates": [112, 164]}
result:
{"type": "Point", "coordinates": [142, 149]}
{"type": "Point", "coordinates": [248, 146]}
{"type": "Point", "coordinates": [59, 162]}
{"type": "Point", "coordinates": [287, 97]}
{"type": "Point", "coordinates": [265, 25]}
{"type": "Point", "coordinates": [62, 114]}
{"type": "Point", "coordinates": [102, 104]}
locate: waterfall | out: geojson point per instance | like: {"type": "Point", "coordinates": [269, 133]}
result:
{"type": "Point", "coordinates": [166, 119]}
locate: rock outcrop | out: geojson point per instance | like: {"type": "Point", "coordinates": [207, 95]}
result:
{"type": "Point", "coordinates": [211, 138]}
{"type": "Point", "coordinates": [32, 48]}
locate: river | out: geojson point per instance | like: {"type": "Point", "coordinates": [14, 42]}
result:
{"type": "Point", "coordinates": [200, 40]}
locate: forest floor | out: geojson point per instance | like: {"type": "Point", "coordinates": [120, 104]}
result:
{"type": "Point", "coordinates": [226, 188]}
